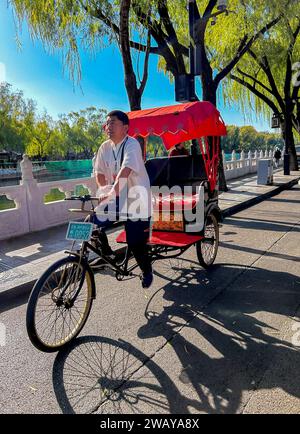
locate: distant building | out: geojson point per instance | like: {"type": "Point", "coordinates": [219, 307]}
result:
{"type": "Point", "coordinates": [9, 156]}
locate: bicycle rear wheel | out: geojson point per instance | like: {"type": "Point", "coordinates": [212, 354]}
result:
{"type": "Point", "coordinates": [55, 314]}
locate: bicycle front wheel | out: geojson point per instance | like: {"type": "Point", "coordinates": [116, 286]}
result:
{"type": "Point", "coordinates": [59, 304]}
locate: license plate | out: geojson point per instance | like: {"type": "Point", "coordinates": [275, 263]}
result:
{"type": "Point", "coordinates": [79, 231]}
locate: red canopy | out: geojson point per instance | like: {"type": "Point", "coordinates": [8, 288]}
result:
{"type": "Point", "coordinates": [178, 123]}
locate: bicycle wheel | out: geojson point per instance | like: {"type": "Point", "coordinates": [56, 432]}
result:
{"type": "Point", "coordinates": [59, 304]}
{"type": "Point", "coordinates": [208, 247]}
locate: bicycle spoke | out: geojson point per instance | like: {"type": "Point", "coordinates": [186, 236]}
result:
{"type": "Point", "coordinates": [59, 312]}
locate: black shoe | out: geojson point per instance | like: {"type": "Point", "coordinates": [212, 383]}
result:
{"type": "Point", "coordinates": [147, 279]}
{"type": "Point", "coordinates": [107, 251]}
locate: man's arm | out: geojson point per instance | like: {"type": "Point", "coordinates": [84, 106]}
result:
{"type": "Point", "coordinates": [115, 191]}
{"type": "Point", "coordinates": [100, 179]}
{"type": "Point", "coordinates": [123, 174]}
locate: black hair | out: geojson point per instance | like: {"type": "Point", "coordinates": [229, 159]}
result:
{"type": "Point", "coordinates": [120, 115]}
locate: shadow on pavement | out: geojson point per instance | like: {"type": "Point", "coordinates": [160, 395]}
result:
{"type": "Point", "coordinates": [244, 346]}
{"type": "Point", "coordinates": [104, 376]}
{"type": "Point", "coordinates": [215, 356]}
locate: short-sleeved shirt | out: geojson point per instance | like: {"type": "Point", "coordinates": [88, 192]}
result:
{"type": "Point", "coordinates": [108, 163]}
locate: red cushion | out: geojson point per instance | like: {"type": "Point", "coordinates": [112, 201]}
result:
{"type": "Point", "coordinates": [167, 239]}
{"type": "Point", "coordinates": [177, 202]}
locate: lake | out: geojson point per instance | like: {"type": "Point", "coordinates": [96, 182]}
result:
{"type": "Point", "coordinates": [67, 169]}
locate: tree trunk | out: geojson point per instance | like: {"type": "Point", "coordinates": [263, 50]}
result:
{"type": "Point", "coordinates": [288, 137]}
{"type": "Point", "coordinates": [134, 94]}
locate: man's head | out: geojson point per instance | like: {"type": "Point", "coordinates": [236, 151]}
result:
{"type": "Point", "coordinates": [117, 125]}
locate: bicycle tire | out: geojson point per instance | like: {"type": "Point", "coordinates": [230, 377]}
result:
{"type": "Point", "coordinates": [60, 277]}
{"type": "Point", "coordinates": [206, 255]}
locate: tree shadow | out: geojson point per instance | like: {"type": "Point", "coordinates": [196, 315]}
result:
{"type": "Point", "coordinates": [266, 254]}
{"type": "Point", "coordinates": [226, 350]}
{"type": "Point", "coordinates": [260, 225]}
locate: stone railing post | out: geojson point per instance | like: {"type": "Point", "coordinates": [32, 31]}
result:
{"type": "Point", "coordinates": [249, 158]}
{"type": "Point", "coordinates": [233, 160]}
{"type": "Point", "coordinates": [27, 171]}
{"type": "Point", "coordinates": [34, 198]}
{"type": "Point", "coordinates": [93, 164]}
{"type": "Point", "coordinates": [266, 153]}
{"type": "Point", "coordinates": [261, 154]}
{"type": "Point", "coordinates": [242, 160]}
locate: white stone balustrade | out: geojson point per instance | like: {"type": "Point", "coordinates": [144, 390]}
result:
{"type": "Point", "coordinates": [32, 214]}
{"type": "Point", "coordinates": [235, 168]}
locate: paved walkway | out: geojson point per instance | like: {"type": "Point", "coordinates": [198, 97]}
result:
{"type": "Point", "coordinates": [24, 258]}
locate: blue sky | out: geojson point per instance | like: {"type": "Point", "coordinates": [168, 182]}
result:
{"type": "Point", "coordinates": [40, 75]}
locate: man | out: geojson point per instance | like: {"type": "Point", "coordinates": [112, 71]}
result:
{"type": "Point", "coordinates": [277, 156]}
{"type": "Point", "coordinates": [119, 167]}
{"type": "Point", "coordinates": [179, 149]}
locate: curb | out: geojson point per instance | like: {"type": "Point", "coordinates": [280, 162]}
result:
{"type": "Point", "coordinates": [254, 201]}
{"type": "Point", "coordinates": [13, 297]}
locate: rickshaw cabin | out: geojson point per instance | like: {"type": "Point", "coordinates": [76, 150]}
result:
{"type": "Point", "coordinates": [181, 123]}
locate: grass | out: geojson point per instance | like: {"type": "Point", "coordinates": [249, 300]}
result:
{"type": "Point", "coordinates": [6, 203]}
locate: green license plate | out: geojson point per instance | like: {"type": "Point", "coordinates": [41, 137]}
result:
{"type": "Point", "coordinates": [78, 231]}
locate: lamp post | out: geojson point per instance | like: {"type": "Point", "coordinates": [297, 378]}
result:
{"type": "Point", "coordinates": [277, 120]}
{"type": "Point", "coordinates": [286, 156]}
{"type": "Point", "coordinates": [185, 89]}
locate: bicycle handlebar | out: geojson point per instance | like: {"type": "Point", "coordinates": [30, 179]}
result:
{"type": "Point", "coordinates": [83, 199]}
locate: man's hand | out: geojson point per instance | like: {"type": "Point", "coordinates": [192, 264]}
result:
{"type": "Point", "coordinates": [102, 197]}
{"type": "Point", "coordinates": [106, 196]}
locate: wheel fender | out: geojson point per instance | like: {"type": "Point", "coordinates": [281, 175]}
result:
{"type": "Point", "coordinates": [216, 211]}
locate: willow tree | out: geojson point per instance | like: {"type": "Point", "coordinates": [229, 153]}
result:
{"type": "Point", "coordinates": [157, 27]}
{"type": "Point", "coordinates": [68, 26]}
{"type": "Point", "coordinates": [265, 79]}
{"type": "Point", "coordinates": [162, 29]}
{"type": "Point", "coordinates": [220, 47]}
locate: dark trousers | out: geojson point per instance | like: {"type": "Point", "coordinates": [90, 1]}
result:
{"type": "Point", "coordinates": [137, 234]}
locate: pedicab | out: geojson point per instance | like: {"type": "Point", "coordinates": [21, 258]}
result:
{"type": "Point", "coordinates": [185, 214]}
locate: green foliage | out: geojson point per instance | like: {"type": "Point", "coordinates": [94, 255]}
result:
{"type": "Point", "coordinates": [155, 147]}
{"type": "Point", "coordinates": [23, 130]}
{"type": "Point", "coordinates": [66, 25]}
{"type": "Point", "coordinates": [279, 49]}
{"type": "Point", "coordinates": [54, 195]}
{"type": "Point", "coordinates": [248, 139]}
{"type": "Point", "coordinates": [81, 132]}
{"type": "Point", "coordinates": [6, 203]}
{"type": "Point", "coordinates": [16, 119]}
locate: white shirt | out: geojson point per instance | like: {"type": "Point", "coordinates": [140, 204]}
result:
{"type": "Point", "coordinates": [108, 163]}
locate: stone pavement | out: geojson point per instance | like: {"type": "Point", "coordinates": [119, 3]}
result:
{"type": "Point", "coordinates": [23, 259]}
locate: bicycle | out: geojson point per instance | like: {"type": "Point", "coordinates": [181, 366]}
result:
{"type": "Point", "coordinates": [61, 299]}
